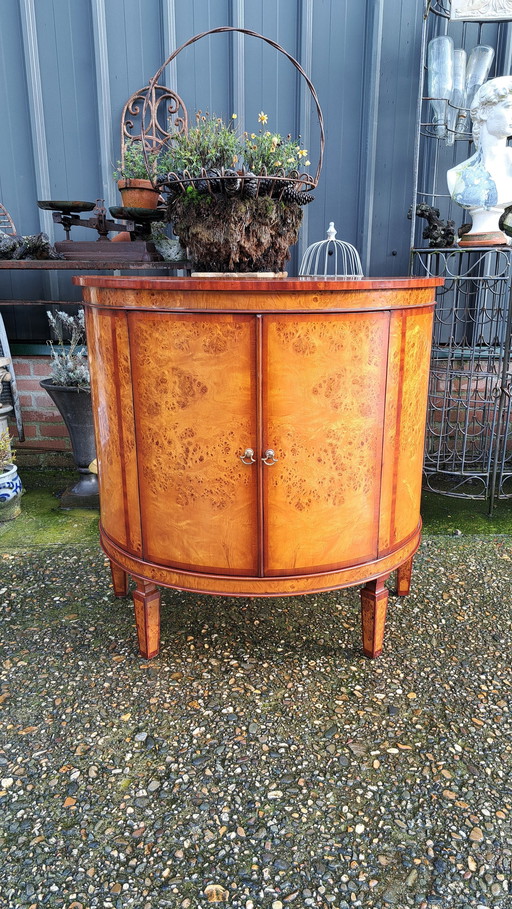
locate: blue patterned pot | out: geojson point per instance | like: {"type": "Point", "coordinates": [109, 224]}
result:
{"type": "Point", "coordinates": [10, 494]}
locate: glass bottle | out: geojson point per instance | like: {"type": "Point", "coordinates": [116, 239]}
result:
{"type": "Point", "coordinates": [456, 115]}
{"type": "Point", "coordinates": [440, 79]}
{"type": "Point", "coordinates": [477, 70]}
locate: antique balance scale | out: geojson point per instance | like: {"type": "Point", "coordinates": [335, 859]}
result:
{"type": "Point", "coordinates": [136, 222]}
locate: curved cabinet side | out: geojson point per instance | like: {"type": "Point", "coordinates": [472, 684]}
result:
{"type": "Point", "coordinates": [114, 423]}
{"type": "Point", "coordinates": [404, 425]}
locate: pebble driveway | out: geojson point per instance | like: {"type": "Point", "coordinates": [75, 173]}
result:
{"type": "Point", "coordinates": [260, 761]}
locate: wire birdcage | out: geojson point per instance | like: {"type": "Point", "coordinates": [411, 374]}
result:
{"type": "Point", "coordinates": [331, 258]}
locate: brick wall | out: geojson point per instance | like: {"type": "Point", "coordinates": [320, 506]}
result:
{"type": "Point", "coordinates": [47, 441]}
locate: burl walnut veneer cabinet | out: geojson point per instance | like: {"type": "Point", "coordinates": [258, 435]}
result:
{"type": "Point", "coordinates": [259, 437]}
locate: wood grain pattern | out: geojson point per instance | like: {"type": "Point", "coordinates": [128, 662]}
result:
{"type": "Point", "coordinates": [279, 295]}
{"type": "Point", "coordinates": [146, 602]}
{"type": "Point", "coordinates": [225, 585]}
{"type": "Point", "coordinates": [411, 417]}
{"type": "Point", "coordinates": [404, 424]}
{"type": "Point", "coordinates": [119, 580]}
{"type": "Point", "coordinates": [194, 377]}
{"type": "Point", "coordinates": [114, 424]}
{"type": "Point", "coordinates": [270, 287]}
{"type": "Point", "coordinates": [188, 374]}
{"type": "Point", "coordinates": [324, 419]}
{"type": "Point", "coordinates": [374, 604]}
{"type": "Point", "coordinates": [403, 578]}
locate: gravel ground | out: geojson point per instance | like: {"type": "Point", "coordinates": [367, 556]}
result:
{"type": "Point", "coordinates": [260, 752]}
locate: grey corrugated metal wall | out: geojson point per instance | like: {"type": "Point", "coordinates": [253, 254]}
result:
{"type": "Point", "coordinates": [68, 66]}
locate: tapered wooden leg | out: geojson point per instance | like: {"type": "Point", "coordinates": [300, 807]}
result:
{"type": "Point", "coordinates": [119, 580]}
{"type": "Point", "coordinates": [403, 578]}
{"type": "Point", "coordinates": [374, 601]}
{"type": "Point", "coordinates": [146, 600]}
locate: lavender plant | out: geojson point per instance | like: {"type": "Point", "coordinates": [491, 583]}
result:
{"type": "Point", "coordinates": [69, 365]}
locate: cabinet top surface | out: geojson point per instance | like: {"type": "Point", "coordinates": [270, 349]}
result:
{"type": "Point", "coordinates": [265, 285]}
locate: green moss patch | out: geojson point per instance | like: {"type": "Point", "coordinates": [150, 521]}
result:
{"type": "Point", "coordinates": [42, 522]}
{"type": "Point", "coordinates": [447, 515]}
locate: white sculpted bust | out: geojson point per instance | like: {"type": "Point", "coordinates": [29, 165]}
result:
{"type": "Point", "coordinates": [483, 183]}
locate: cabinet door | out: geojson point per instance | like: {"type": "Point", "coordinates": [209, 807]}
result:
{"type": "Point", "coordinates": [324, 385]}
{"type": "Point", "coordinates": [195, 414]}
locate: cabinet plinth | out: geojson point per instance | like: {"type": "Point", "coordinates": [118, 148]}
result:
{"type": "Point", "coordinates": [259, 437]}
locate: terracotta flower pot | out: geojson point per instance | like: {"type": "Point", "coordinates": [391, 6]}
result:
{"type": "Point", "coordinates": [138, 193]}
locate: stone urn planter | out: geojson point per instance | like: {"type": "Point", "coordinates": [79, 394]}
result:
{"type": "Point", "coordinates": [75, 407]}
{"type": "Point", "coordinates": [69, 388]}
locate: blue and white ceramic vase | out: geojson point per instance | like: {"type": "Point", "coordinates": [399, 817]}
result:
{"type": "Point", "coordinates": [10, 493]}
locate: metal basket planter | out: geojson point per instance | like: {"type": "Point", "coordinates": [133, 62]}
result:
{"type": "Point", "coordinates": [236, 220]}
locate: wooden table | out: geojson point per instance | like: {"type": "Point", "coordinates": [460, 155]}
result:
{"type": "Point", "coordinates": [259, 437]}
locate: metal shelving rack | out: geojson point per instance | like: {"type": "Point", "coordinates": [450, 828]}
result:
{"type": "Point", "coordinates": [468, 448]}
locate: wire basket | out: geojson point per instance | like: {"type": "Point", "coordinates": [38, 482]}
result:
{"type": "Point", "coordinates": [290, 186]}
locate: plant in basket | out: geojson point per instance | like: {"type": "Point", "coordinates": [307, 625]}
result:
{"type": "Point", "coordinates": [269, 153]}
{"type": "Point", "coordinates": [234, 201]}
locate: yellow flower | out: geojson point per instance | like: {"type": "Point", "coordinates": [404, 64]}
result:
{"type": "Point", "coordinates": [307, 163]}
{"type": "Point", "coordinates": [290, 160]}
{"type": "Point", "coordinates": [302, 152]}
{"type": "Point", "coordinates": [262, 118]}
{"type": "Point", "coordinates": [253, 135]}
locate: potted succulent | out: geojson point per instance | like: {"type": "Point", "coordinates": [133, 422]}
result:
{"type": "Point", "coordinates": [134, 174]}
{"type": "Point", "coordinates": [70, 390]}
{"type": "Point", "coordinates": [10, 483]}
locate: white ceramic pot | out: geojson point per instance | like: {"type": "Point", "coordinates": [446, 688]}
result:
{"type": "Point", "coordinates": [10, 494]}
{"type": "Point", "coordinates": [10, 483]}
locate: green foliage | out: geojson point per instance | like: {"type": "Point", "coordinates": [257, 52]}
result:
{"type": "Point", "coordinates": [192, 195]}
{"type": "Point", "coordinates": [269, 153]}
{"type": "Point", "coordinates": [213, 145]}
{"type": "Point", "coordinates": [7, 454]}
{"type": "Point", "coordinates": [69, 364]}
{"type": "Point", "coordinates": [209, 144]}
{"type": "Point", "coordinates": [134, 166]}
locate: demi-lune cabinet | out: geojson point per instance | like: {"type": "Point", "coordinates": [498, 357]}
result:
{"type": "Point", "coordinates": [259, 437]}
